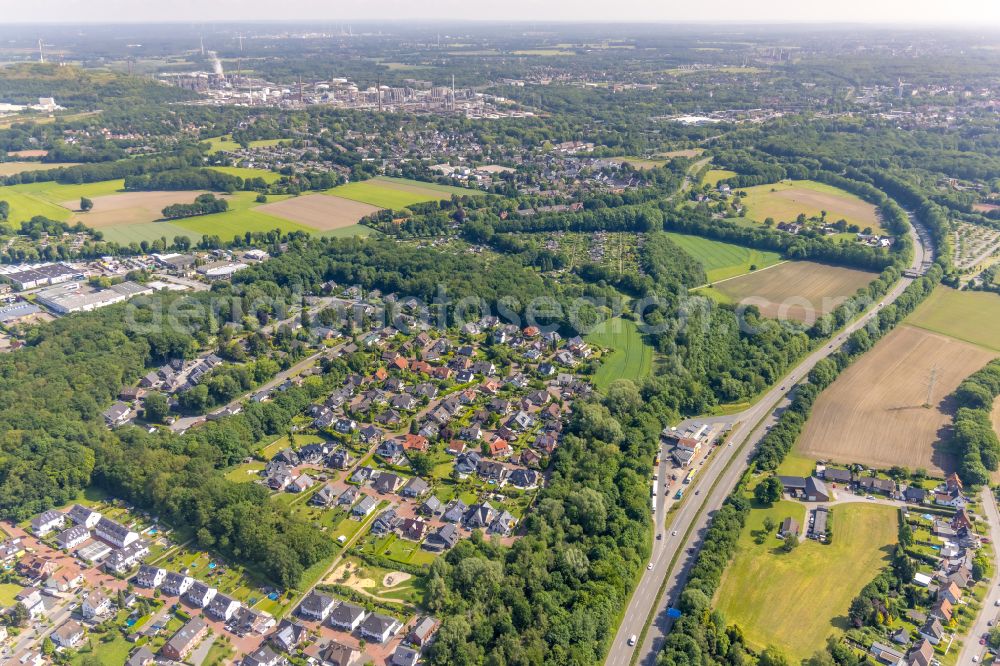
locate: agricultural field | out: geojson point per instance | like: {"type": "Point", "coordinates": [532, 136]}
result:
{"type": "Point", "coordinates": [129, 207]}
{"type": "Point", "coordinates": [793, 600]}
{"type": "Point", "coordinates": [785, 200]}
{"type": "Point", "coordinates": [971, 316]}
{"type": "Point", "coordinates": [640, 162]}
{"type": "Point", "coordinates": [686, 152]}
{"type": "Point", "coordinates": [630, 358]}
{"type": "Point", "coordinates": [320, 212]}
{"type": "Point", "coordinates": [396, 193]}
{"type": "Point", "coordinates": [799, 290]}
{"type": "Point", "coordinates": [226, 143]}
{"type": "Point", "coordinates": [10, 168]}
{"type": "Point", "coordinates": [713, 176]}
{"type": "Point", "coordinates": [724, 260]}
{"type": "Point", "coordinates": [874, 413]}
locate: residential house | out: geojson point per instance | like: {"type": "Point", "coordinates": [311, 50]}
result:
{"type": "Point", "coordinates": [200, 594]}
{"type": "Point", "coordinates": [176, 585]}
{"type": "Point", "coordinates": [346, 616]}
{"type": "Point", "coordinates": [378, 628]}
{"type": "Point", "coordinates": [141, 656]}
{"type": "Point", "coordinates": [63, 581]}
{"type": "Point", "coordinates": [36, 568]}
{"type": "Point", "coordinates": [885, 654]}
{"type": "Point", "coordinates": [942, 610]}
{"type": "Point", "coordinates": [325, 496]}
{"type": "Point", "coordinates": [874, 484]}
{"type": "Point", "coordinates": [387, 482]}
{"type": "Point", "coordinates": [415, 487]}
{"type": "Point", "coordinates": [348, 496]}
{"type": "Point", "coordinates": [444, 538]}
{"type": "Point", "coordinates": [421, 632]}
{"type": "Point", "coordinates": [431, 507]}
{"type": "Point", "coordinates": [117, 414]}
{"type": "Point", "coordinates": [454, 511]}
{"type": "Point", "coordinates": [316, 606]}
{"type": "Point", "coordinates": [479, 516]}
{"type": "Point", "coordinates": [412, 529]}
{"type": "Point", "coordinates": [921, 654]}
{"type": "Point", "coordinates": [180, 645]}
{"type": "Point", "coordinates": [46, 522]}
{"type": "Point", "coordinates": [222, 608]}
{"type": "Point", "coordinates": [302, 483]}
{"type": "Point", "coordinates": [385, 523]}
{"type": "Point", "coordinates": [391, 450]}
{"type": "Point", "coordinates": [96, 604]}
{"type": "Point", "coordinates": [340, 459]}
{"type": "Point", "coordinates": [248, 621]}
{"type": "Point", "coordinates": [334, 653]}
{"type": "Point", "coordinates": [932, 631]}
{"type": "Point", "coordinates": [68, 635]}
{"type": "Point", "coordinates": [72, 537]}
{"type": "Point", "coordinates": [264, 656]}
{"type": "Point", "coordinates": [114, 533]}
{"type": "Point", "coordinates": [369, 434]}
{"type": "Point", "coordinates": [150, 577]}
{"type": "Point", "coordinates": [404, 656]}
{"type": "Point", "coordinates": [85, 516]}
{"type": "Point", "coordinates": [789, 526]}
{"type": "Point", "coordinates": [123, 559]}
{"type": "Point", "coordinates": [364, 507]}
{"type": "Point", "coordinates": [502, 525]}
{"type": "Point", "coordinates": [289, 635]}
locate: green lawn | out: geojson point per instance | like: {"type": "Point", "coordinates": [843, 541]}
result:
{"type": "Point", "coordinates": [971, 316]}
{"type": "Point", "coordinates": [144, 231]}
{"type": "Point", "coordinates": [713, 176]}
{"type": "Point", "coordinates": [115, 651]}
{"type": "Point", "coordinates": [245, 473]}
{"type": "Point", "coordinates": [795, 600]}
{"type": "Point", "coordinates": [724, 260]}
{"type": "Point", "coordinates": [796, 465]}
{"type": "Point", "coordinates": [220, 143]}
{"type": "Point", "coordinates": [24, 206]}
{"type": "Point", "coordinates": [7, 593]}
{"type": "Point", "coordinates": [236, 223]}
{"type": "Point", "coordinates": [268, 176]}
{"type": "Point", "coordinates": [631, 357]}
{"type": "Point", "coordinates": [395, 193]}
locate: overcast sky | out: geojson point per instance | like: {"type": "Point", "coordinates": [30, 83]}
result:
{"type": "Point", "coordinates": [972, 12]}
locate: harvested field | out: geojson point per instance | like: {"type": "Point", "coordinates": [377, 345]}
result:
{"type": "Point", "coordinates": [799, 290]}
{"type": "Point", "coordinates": [319, 211]}
{"type": "Point", "coordinates": [129, 207]}
{"type": "Point", "coordinates": [785, 200]}
{"type": "Point", "coordinates": [874, 413]}
{"type": "Point", "coordinates": [687, 152]}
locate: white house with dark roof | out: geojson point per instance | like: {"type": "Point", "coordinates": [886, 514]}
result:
{"type": "Point", "coordinates": [200, 594]}
{"type": "Point", "coordinates": [82, 515]}
{"type": "Point", "coordinates": [114, 533]}
{"type": "Point", "coordinates": [346, 616]}
{"type": "Point", "coordinates": [379, 628]}
{"type": "Point", "coordinates": [72, 537]}
{"type": "Point", "coordinates": [47, 521]}
{"type": "Point", "coordinates": [176, 584]}
{"type": "Point", "coordinates": [150, 577]}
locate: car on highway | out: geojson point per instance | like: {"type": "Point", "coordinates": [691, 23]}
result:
{"type": "Point", "coordinates": [697, 492]}
{"type": "Point", "coordinates": [674, 533]}
{"type": "Point", "coordinates": [659, 536]}
{"type": "Point", "coordinates": [632, 639]}
{"type": "Point", "coordinates": [649, 567]}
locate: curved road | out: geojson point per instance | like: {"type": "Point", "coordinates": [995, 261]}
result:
{"type": "Point", "coordinates": [673, 557]}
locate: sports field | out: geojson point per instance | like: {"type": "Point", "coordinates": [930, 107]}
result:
{"type": "Point", "coordinates": [323, 213]}
{"type": "Point", "coordinates": [713, 176]}
{"type": "Point", "coordinates": [396, 193]}
{"type": "Point", "coordinates": [874, 413]}
{"type": "Point", "coordinates": [630, 356]}
{"type": "Point", "coordinates": [724, 260]}
{"type": "Point", "coordinates": [972, 316]}
{"type": "Point", "coordinates": [221, 143]}
{"type": "Point", "coordinates": [799, 290]}
{"type": "Point", "coordinates": [10, 168]}
{"type": "Point", "coordinates": [795, 600]}
{"type": "Point", "coordinates": [785, 200]}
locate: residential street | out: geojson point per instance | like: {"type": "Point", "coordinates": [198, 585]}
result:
{"type": "Point", "coordinates": [673, 559]}
{"type": "Point", "coordinates": [990, 611]}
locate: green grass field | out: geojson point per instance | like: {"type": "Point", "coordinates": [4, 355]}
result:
{"type": "Point", "coordinates": [220, 143]}
{"type": "Point", "coordinates": [796, 465]}
{"type": "Point", "coordinates": [795, 600]}
{"type": "Point", "coordinates": [970, 316]}
{"type": "Point", "coordinates": [268, 176]}
{"type": "Point", "coordinates": [713, 176]}
{"type": "Point", "coordinates": [631, 357]}
{"type": "Point", "coordinates": [724, 260]}
{"type": "Point", "coordinates": [7, 593]}
{"type": "Point", "coordinates": [396, 193]}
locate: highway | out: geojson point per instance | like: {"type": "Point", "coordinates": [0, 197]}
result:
{"type": "Point", "coordinates": [673, 557]}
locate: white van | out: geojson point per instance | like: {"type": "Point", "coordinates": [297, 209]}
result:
{"type": "Point", "coordinates": [631, 640]}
